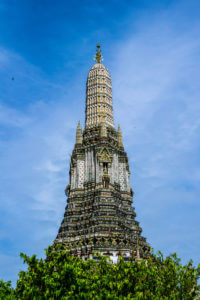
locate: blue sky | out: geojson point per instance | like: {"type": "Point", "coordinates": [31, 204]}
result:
{"type": "Point", "coordinates": [152, 49]}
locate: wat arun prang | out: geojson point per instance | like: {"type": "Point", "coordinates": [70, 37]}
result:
{"type": "Point", "coordinates": [99, 215]}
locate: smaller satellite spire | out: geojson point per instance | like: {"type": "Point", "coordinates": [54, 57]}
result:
{"type": "Point", "coordinates": [138, 258]}
{"type": "Point", "coordinates": [119, 137]}
{"type": "Point", "coordinates": [98, 58]}
{"type": "Point", "coordinates": [79, 134]}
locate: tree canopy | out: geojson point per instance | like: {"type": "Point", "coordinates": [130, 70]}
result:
{"type": "Point", "coordinates": [61, 276]}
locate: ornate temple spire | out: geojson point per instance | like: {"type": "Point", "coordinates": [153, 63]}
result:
{"type": "Point", "coordinates": [99, 216]}
{"type": "Point", "coordinates": [99, 95]}
{"type": "Point", "coordinates": [98, 58]}
{"type": "Point", "coordinates": [79, 137]}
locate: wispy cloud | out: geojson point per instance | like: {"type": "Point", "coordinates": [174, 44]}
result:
{"type": "Point", "coordinates": [156, 98]}
{"type": "Point", "coordinates": [36, 142]}
{"type": "Point", "coordinates": [12, 117]}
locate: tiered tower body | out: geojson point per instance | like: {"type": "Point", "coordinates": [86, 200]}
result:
{"type": "Point", "coordinates": [99, 215]}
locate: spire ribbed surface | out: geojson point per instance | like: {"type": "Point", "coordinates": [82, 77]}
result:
{"type": "Point", "coordinates": [99, 97]}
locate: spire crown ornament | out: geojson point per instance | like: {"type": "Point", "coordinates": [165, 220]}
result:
{"type": "Point", "coordinates": [98, 58]}
{"type": "Point", "coordinates": [99, 95]}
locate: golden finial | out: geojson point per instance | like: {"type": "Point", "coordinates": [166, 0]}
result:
{"type": "Point", "coordinates": [98, 58]}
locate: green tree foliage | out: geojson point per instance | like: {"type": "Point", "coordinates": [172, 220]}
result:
{"type": "Point", "coordinates": [61, 276]}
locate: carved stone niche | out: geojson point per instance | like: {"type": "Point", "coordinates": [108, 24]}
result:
{"type": "Point", "coordinates": [104, 155]}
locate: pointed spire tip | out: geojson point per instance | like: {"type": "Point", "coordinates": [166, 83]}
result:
{"type": "Point", "coordinates": [98, 58]}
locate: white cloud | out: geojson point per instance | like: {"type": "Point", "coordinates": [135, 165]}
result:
{"type": "Point", "coordinates": [38, 134]}
{"type": "Point", "coordinates": [156, 101]}
{"type": "Point", "coordinates": [12, 117]}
